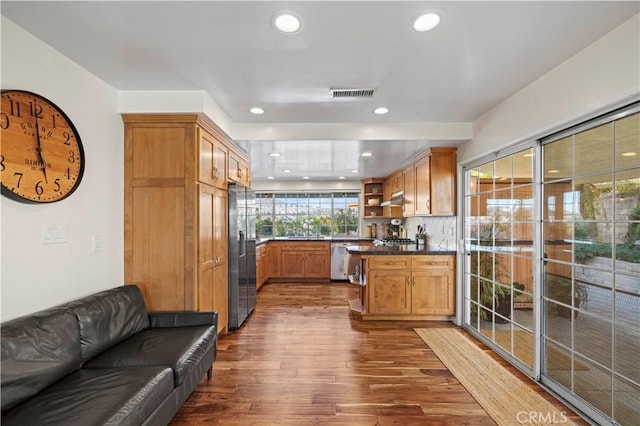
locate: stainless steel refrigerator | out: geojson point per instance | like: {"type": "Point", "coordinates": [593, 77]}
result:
{"type": "Point", "coordinates": [242, 254]}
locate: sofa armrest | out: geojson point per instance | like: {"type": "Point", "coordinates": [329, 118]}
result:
{"type": "Point", "coordinates": [162, 319]}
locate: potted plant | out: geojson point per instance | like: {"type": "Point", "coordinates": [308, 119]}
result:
{"type": "Point", "coordinates": [559, 288]}
{"type": "Point", "coordinates": [498, 298]}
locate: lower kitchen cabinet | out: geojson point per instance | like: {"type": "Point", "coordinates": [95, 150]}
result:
{"type": "Point", "coordinates": [304, 260]}
{"type": "Point", "coordinates": [416, 287]}
{"type": "Point", "coordinates": [261, 265]}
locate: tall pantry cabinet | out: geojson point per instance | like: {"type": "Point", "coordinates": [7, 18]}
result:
{"type": "Point", "coordinates": [175, 218]}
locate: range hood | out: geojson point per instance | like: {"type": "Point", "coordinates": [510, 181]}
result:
{"type": "Point", "coordinates": [395, 201]}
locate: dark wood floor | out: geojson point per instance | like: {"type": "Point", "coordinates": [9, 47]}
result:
{"type": "Point", "coordinates": [301, 359]}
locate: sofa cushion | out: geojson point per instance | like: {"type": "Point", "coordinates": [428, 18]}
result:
{"type": "Point", "coordinates": [109, 317]}
{"type": "Point", "coordinates": [37, 350]}
{"type": "Point", "coordinates": [96, 397]}
{"type": "Point", "coordinates": [178, 348]}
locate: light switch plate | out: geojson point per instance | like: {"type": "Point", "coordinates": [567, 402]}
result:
{"type": "Point", "coordinates": [54, 234]}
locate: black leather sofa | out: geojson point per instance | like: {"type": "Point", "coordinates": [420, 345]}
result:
{"type": "Point", "coordinates": [103, 360]}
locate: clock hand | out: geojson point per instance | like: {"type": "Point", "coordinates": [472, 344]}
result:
{"type": "Point", "coordinates": [39, 149]}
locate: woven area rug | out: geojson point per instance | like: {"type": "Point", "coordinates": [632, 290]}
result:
{"type": "Point", "coordinates": [503, 396]}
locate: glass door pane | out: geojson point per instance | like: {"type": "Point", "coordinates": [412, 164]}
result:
{"type": "Point", "coordinates": [499, 226]}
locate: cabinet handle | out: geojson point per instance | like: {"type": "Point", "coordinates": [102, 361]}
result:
{"type": "Point", "coordinates": [216, 173]}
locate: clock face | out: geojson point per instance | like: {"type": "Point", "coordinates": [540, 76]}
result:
{"type": "Point", "coordinates": [41, 156]}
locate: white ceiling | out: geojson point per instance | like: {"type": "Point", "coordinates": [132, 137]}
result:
{"type": "Point", "coordinates": [481, 53]}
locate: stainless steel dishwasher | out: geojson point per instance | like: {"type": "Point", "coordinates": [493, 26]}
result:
{"type": "Point", "coordinates": [339, 258]}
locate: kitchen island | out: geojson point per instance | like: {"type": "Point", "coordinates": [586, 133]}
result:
{"type": "Point", "coordinates": [408, 282]}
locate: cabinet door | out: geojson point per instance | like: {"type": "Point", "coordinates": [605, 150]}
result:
{"type": "Point", "coordinates": [206, 249]}
{"type": "Point", "coordinates": [433, 292]}
{"type": "Point", "coordinates": [408, 205]}
{"type": "Point", "coordinates": [220, 236]}
{"type": "Point", "coordinates": [221, 295]}
{"type": "Point", "coordinates": [423, 188]}
{"type": "Point", "coordinates": [389, 291]}
{"type": "Point", "coordinates": [220, 165]}
{"type": "Point", "coordinates": [212, 160]}
{"type": "Point", "coordinates": [273, 260]}
{"type": "Point", "coordinates": [239, 170]}
{"type": "Point", "coordinates": [292, 264]}
{"type": "Point", "coordinates": [220, 230]}
{"type": "Point", "coordinates": [443, 182]}
{"type": "Point", "coordinates": [317, 264]}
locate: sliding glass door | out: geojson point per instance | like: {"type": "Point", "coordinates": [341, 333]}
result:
{"type": "Point", "coordinates": [554, 257]}
{"type": "Point", "coordinates": [591, 244]}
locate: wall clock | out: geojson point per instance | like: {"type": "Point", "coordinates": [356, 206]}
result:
{"type": "Point", "coordinates": [41, 156]}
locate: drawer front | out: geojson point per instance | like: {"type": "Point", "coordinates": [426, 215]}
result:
{"type": "Point", "coordinates": [432, 262]}
{"type": "Point", "coordinates": [389, 262]}
{"type": "Point", "coordinates": [305, 246]}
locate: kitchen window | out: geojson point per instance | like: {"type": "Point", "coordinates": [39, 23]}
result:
{"type": "Point", "coordinates": [307, 214]}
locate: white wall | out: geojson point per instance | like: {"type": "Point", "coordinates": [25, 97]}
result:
{"type": "Point", "coordinates": [604, 75]}
{"type": "Point", "coordinates": [36, 276]}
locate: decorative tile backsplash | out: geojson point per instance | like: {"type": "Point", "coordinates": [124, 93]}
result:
{"type": "Point", "coordinates": [441, 231]}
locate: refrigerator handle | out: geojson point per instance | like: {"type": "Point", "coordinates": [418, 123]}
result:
{"type": "Point", "coordinates": [241, 243]}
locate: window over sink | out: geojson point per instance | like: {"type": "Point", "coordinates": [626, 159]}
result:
{"type": "Point", "coordinates": [307, 214]}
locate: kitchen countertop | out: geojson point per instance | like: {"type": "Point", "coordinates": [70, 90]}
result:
{"type": "Point", "coordinates": [410, 249]}
{"type": "Point", "coordinates": [354, 240]}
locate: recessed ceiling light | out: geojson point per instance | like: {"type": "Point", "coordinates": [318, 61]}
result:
{"type": "Point", "coordinates": [553, 171]}
{"type": "Point", "coordinates": [270, 178]}
{"type": "Point", "coordinates": [629, 154]}
{"type": "Point", "coordinates": [274, 154]}
{"type": "Point", "coordinates": [286, 171]}
{"type": "Point", "coordinates": [355, 171]}
{"type": "Point", "coordinates": [427, 21]}
{"type": "Point", "coordinates": [341, 177]}
{"type": "Point", "coordinates": [381, 110]}
{"type": "Point", "coordinates": [366, 154]}
{"type": "Point", "coordinates": [256, 111]}
{"type": "Point", "coordinates": [305, 177]}
{"type": "Point", "coordinates": [288, 22]}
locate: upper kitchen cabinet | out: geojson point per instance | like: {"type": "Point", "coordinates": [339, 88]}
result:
{"type": "Point", "coordinates": [409, 201]}
{"type": "Point", "coordinates": [213, 157]}
{"type": "Point", "coordinates": [430, 184]}
{"type": "Point", "coordinates": [239, 170]}
{"type": "Point", "coordinates": [440, 186]}
{"type": "Point", "coordinates": [372, 193]}
{"type": "Point", "coordinates": [392, 185]}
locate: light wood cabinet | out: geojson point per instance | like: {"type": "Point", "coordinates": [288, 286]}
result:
{"type": "Point", "coordinates": [408, 203]}
{"type": "Point", "coordinates": [239, 169]}
{"type": "Point", "coordinates": [261, 265]}
{"type": "Point", "coordinates": [429, 184]}
{"type": "Point", "coordinates": [442, 181]}
{"type": "Point", "coordinates": [409, 287]}
{"type": "Point", "coordinates": [372, 193]}
{"type": "Point", "coordinates": [212, 160]}
{"type": "Point", "coordinates": [423, 186]}
{"type": "Point", "coordinates": [304, 260]}
{"type": "Point", "coordinates": [274, 260]}
{"type": "Point", "coordinates": [175, 218]}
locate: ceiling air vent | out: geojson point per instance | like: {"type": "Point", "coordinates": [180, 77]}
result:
{"type": "Point", "coordinates": [351, 93]}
